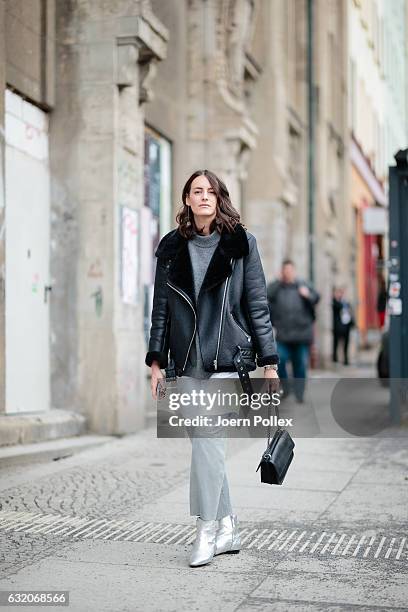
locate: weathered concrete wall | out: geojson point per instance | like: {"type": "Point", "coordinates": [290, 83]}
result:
{"type": "Point", "coordinates": [30, 47]}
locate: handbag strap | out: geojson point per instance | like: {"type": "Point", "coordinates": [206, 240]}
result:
{"type": "Point", "coordinates": [171, 370]}
{"type": "Point", "coordinates": [242, 370]}
{"type": "Point", "coordinates": [247, 387]}
{"type": "Point", "coordinates": [269, 419]}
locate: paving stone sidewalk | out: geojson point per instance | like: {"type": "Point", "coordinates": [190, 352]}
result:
{"type": "Point", "coordinates": [111, 525]}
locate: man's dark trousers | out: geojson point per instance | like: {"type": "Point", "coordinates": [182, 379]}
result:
{"type": "Point", "coordinates": [298, 354]}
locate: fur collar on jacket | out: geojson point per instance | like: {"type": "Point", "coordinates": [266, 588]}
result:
{"type": "Point", "coordinates": [174, 247]}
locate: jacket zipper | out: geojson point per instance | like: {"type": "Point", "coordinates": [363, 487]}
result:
{"type": "Point", "coordinates": [195, 320]}
{"type": "Point", "coordinates": [241, 328]}
{"type": "Point", "coordinates": [222, 313]}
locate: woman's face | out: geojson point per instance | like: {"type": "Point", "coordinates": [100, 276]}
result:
{"type": "Point", "coordinates": [202, 198]}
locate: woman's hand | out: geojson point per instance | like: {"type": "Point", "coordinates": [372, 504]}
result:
{"type": "Point", "coordinates": [157, 375]}
{"type": "Point", "coordinates": [272, 377]}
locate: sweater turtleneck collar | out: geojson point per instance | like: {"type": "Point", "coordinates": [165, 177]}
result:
{"type": "Point", "coordinates": [206, 241]}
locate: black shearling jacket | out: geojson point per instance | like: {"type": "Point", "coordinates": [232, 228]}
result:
{"type": "Point", "coordinates": [231, 309]}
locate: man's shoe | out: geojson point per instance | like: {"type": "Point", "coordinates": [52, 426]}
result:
{"type": "Point", "coordinates": [227, 537]}
{"type": "Point", "coordinates": [204, 545]}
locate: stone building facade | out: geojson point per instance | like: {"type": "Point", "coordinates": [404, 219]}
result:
{"type": "Point", "coordinates": [378, 126]}
{"type": "Point", "coordinates": [136, 96]}
{"type": "Point", "coordinates": [277, 203]}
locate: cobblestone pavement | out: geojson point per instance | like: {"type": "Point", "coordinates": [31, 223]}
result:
{"type": "Point", "coordinates": [19, 549]}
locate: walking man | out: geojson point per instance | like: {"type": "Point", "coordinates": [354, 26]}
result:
{"type": "Point", "coordinates": [292, 307]}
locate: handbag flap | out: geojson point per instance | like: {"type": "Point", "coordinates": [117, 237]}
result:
{"type": "Point", "coordinates": [282, 452]}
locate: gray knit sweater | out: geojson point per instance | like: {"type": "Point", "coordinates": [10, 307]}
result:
{"type": "Point", "coordinates": [201, 249]}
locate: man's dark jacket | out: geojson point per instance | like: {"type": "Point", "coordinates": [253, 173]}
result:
{"type": "Point", "coordinates": [231, 309]}
{"type": "Point", "coordinates": [292, 314]}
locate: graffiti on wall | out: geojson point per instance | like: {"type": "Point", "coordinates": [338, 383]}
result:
{"type": "Point", "coordinates": [129, 254]}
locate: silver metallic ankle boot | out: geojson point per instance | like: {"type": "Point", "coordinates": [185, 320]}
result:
{"type": "Point", "coordinates": [204, 545]}
{"type": "Point", "coordinates": [227, 539]}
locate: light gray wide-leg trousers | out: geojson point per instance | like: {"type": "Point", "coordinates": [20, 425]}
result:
{"type": "Point", "coordinates": [209, 490]}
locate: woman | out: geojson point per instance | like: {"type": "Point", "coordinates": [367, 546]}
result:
{"type": "Point", "coordinates": [209, 298]}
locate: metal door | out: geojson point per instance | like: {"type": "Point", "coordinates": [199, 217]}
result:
{"type": "Point", "coordinates": [27, 257]}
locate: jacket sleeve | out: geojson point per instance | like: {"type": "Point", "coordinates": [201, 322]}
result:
{"type": "Point", "coordinates": [159, 331]}
{"type": "Point", "coordinates": [271, 292]}
{"type": "Point", "coordinates": [257, 306]}
{"type": "Point", "coordinates": [314, 296]}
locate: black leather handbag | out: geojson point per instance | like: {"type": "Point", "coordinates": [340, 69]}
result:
{"type": "Point", "coordinates": [278, 455]}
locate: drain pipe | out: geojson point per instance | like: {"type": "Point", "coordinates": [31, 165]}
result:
{"type": "Point", "coordinates": [311, 141]}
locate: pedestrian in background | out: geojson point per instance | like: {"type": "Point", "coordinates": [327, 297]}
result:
{"type": "Point", "coordinates": [343, 321]}
{"type": "Point", "coordinates": [382, 302]}
{"type": "Point", "coordinates": [209, 300]}
{"type": "Point", "coordinates": [292, 304]}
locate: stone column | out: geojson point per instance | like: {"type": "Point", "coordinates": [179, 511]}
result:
{"type": "Point", "coordinates": [106, 54]}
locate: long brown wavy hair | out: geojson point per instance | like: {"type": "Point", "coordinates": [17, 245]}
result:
{"type": "Point", "coordinates": [226, 215]}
